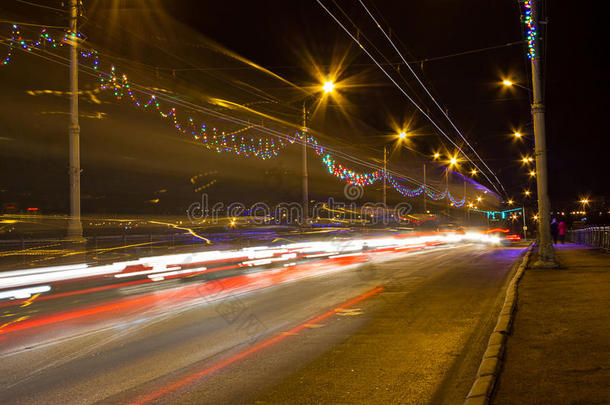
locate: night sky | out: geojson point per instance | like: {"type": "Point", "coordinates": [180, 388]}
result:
{"type": "Point", "coordinates": [153, 42]}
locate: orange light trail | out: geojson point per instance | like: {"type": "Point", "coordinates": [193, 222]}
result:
{"type": "Point", "coordinates": [166, 390]}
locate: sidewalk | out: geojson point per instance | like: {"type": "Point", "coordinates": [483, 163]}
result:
{"type": "Point", "coordinates": [559, 350]}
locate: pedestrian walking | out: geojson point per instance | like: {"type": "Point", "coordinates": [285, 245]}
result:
{"type": "Point", "coordinates": [554, 230]}
{"type": "Point", "coordinates": [561, 230]}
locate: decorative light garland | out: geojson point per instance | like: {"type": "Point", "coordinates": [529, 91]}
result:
{"type": "Point", "coordinates": [44, 40]}
{"type": "Point", "coordinates": [531, 29]}
{"type": "Point", "coordinates": [219, 141]}
{"type": "Point", "coordinates": [216, 140]}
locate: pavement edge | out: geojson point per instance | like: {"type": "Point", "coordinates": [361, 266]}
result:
{"type": "Point", "coordinates": [490, 366]}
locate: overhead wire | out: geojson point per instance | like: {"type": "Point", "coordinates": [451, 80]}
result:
{"type": "Point", "coordinates": [429, 94]}
{"type": "Point", "coordinates": [405, 93]}
{"type": "Point", "coordinates": [58, 59]}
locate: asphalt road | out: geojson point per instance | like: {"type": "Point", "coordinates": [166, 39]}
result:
{"type": "Point", "coordinates": [407, 330]}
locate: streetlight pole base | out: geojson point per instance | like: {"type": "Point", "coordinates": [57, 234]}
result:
{"type": "Point", "coordinates": [545, 264]}
{"type": "Point", "coordinates": [75, 232]}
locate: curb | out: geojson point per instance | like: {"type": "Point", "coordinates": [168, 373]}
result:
{"type": "Point", "coordinates": [489, 369]}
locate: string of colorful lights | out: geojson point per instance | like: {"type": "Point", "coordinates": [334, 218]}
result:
{"type": "Point", "coordinates": [43, 40]}
{"type": "Point", "coordinates": [216, 140]}
{"type": "Point", "coordinates": [531, 34]}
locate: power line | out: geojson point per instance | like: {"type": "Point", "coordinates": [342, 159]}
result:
{"type": "Point", "coordinates": [29, 3]}
{"type": "Point", "coordinates": [403, 91]}
{"type": "Point", "coordinates": [430, 95]}
{"type": "Point", "coordinates": [49, 56]}
{"type": "Point", "coordinates": [33, 25]}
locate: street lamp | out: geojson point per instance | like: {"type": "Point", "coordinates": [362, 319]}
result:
{"type": "Point", "coordinates": [532, 173]}
{"type": "Point", "coordinates": [508, 83]}
{"type": "Point", "coordinates": [401, 136]}
{"type": "Point", "coordinates": [510, 202]}
{"type": "Point", "coordinates": [517, 135]}
{"type": "Point", "coordinates": [584, 202]}
{"type": "Point", "coordinates": [474, 172]}
{"type": "Point", "coordinates": [527, 193]}
{"type": "Point", "coordinates": [327, 87]}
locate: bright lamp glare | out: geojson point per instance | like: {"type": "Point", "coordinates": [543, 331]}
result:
{"type": "Point", "coordinates": [328, 86]}
{"type": "Point", "coordinates": [507, 83]}
{"type": "Point", "coordinates": [402, 135]}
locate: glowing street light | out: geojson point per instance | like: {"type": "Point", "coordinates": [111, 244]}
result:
{"type": "Point", "coordinates": [402, 135]}
{"type": "Point", "coordinates": [527, 193]}
{"type": "Point", "coordinates": [517, 135]}
{"type": "Point", "coordinates": [510, 202]}
{"type": "Point", "coordinates": [532, 173]}
{"type": "Point", "coordinates": [328, 86]}
{"type": "Point", "coordinates": [584, 201]}
{"type": "Point", "coordinates": [437, 155]}
{"type": "Point", "coordinates": [474, 172]}
{"type": "Point", "coordinates": [508, 83]}
{"type": "Point", "coordinates": [453, 161]}
{"type": "Point", "coordinates": [479, 199]}
{"type": "Point", "coordinates": [527, 159]}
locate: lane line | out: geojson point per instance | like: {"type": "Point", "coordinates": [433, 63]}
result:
{"type": "Point", "coordinates": [310, 323]}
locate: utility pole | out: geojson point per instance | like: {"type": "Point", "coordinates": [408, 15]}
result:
{"type": "Point", "coordinates": [425, 187]}
{"type": "Point", "coordinates": [305, 175]}
{"type": "Point", "coordinates": [465, 211]}
{"type": "Point", "coordinates": [447, 209]}
{"type": "Point", "coordinates": [75, 228]}
{"type": "Point", "coordinates": [385, 162]}
{"type": "Point", "coordinates": [524, 224]}
{"type": "Point", "coordinates": [545, 250]}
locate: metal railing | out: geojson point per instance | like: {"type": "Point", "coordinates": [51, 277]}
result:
{"type": "Point", "coordinates": [593, 236]}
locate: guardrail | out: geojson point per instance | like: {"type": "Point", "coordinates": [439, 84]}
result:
{"type": "Point", "coordinates": [594, 236]}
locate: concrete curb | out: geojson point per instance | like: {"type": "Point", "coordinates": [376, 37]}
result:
{"type": "Point", "coordinates": [489, 368]}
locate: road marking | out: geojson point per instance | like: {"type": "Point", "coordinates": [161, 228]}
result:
{"type": "Point", "coordinates": [193, 377]}
{"type": "Point", "coordinates": [350, 312]}
{"type": "Point", "coordinates": [29, 300]}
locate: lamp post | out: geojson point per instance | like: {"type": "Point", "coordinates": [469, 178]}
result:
{"type": "Point", "coordinates": [75, 228]}
{"type": "Point", "coordinates": [305, 172]}
{"type": "Point", "coordinates": [545, 250]}
{"type": "Point", "coordinates": [327, 87]}
{"type": "Point", "coordinates": [401, 137]}
{"type": "Point", "coordinates": [385, 168]}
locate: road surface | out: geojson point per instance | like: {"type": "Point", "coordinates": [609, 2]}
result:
{"type": "Point", "coordinates": [410, 328]}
